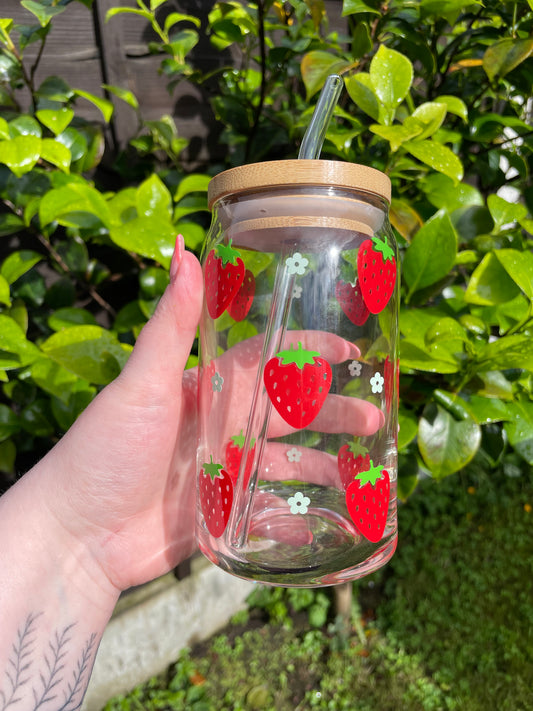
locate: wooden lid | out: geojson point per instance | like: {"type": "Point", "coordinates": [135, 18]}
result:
{"type": "Point", "coordinates": [279, 173]}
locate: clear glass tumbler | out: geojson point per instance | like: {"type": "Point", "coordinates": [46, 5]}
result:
{"type": "Point", "coordinates": [298, 378]}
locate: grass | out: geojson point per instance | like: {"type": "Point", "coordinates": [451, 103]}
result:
{"type": "Point", "coordinates": [448, 624]}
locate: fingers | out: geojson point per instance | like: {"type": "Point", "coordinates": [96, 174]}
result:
{"type": "Point", "coordinates": [311, 466]}
{"type": "Point", "coordinates": [339, 414]}
{"type": "Point", "coordinates": [247, 354]}
{"type": "Point", "coordinates": [164, 344]}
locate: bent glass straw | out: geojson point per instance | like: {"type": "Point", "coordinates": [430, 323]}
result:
{"type": "Point", "coordinates": [316, 131]}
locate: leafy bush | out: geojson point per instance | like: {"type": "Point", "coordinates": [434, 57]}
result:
{"type": "Point", "coordinates": [437, 96]}
{"type": "Point", "coordinates": [460, 591]}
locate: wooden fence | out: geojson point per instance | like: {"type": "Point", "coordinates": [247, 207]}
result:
{"type": "Point", "coordinates": [87, 52]}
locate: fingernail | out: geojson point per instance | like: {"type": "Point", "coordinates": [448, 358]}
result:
{"type": "Point", "coordinates": [176, 258]}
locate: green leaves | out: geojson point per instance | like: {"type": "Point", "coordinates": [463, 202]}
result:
{"type": "Point", "coordinates": [431, 254]}
{"type": "Point", "coordinates": [506, 54]}
{"type": "Point", "coordinates": [89, 352]}
{"type": "Point", "coordinates": [381, 91]}
{"type": "Point", "coordinates": [446, 443]}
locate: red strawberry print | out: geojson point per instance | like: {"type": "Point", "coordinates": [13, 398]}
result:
{"type": "Point", "coordinates": [242, 301]}
{"type": "Point", "coordinates": [352, 459]}
{"type": "Point", "coordinates": [297, 383]}
{"type": "Point", "coordinates": [376, 270]}
{"type": "Point", "coordinates": [367, 499]}
{"type": "Point", "coordinates": [234, 451]}
{"type": "Point", "coordinates": [216, 497]}
{"type": "Point", "coordinates": [351, 302]}
{"type": "Point", "coordinates": [224, 274]}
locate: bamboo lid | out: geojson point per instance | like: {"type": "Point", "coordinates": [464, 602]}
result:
{"type": "Point", "coordinates": [273, 174]}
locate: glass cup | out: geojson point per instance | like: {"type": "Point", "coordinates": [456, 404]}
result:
{"type": "Point", "coordinates": [298, 374]}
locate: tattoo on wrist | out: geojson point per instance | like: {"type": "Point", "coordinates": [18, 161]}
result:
{"type": "Point", "coordinates": [52, 683]}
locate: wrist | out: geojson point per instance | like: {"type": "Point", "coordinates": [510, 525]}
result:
{"type": "Point", "coordinates": [51, 551]}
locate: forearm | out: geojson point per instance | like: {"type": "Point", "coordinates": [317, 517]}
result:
{"type": "Point", "coordinates": [54, 605]}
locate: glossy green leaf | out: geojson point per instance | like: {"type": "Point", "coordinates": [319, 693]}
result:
{"type": "Point", "coordinates": [428, 117]}
{"type": "Point", "coordinates": [513, 351]}
{"type": "Point", "coordinates": [490, 283]}
{"type": "Point", "coordinates": [488, 409]}
{"type": "Point", "coordinates": [408, 422]}
{"type": "Point", "coordinates": [4, 128]}
{"type": "Point", "coordinates": [56, 153]}
{"type": "Point", "coordinates": [454, 105]}
{"type": "Point", "coordinates": [24, 126]}
{"type": "Point", "coordinates": [55, 88]}
{"type": "Point", "coordinates": [353, 7]}
{"type": "Point", "coordinates": [391, 74]}
{"type": "Point", "coordinates": [194, 183]}
{"type": "Point", "coordinates": [62, 204]}
{"type": "Point", "coordinates": [153, 282]}
{"type": "Point", "coordinates": [90, 352]}
{"type": "Point", "coordinates": [152, 237]}
{"type": "Point", "coordinates": [436, 156]}
{"type": "Point", "coordinates": [9, 422]}
{"type": "Point", "coordinates": [504, 212]}
{"type": "Point", "coordinates": [446, 329]}
{"type": "Point", "coordinates": [153, 198]}
{"type": "Point", "coordinates": [70, 316]}
{"type": "Point", "coordinates": [15, 349]}
{"type": "Point", "coordinates": [504, 55]}
{"type": "Point", "coordinates": [123, 94]}
{"type": "Point", "coordinates": [18, 263]}
{"type": "Point", "coordinates": [36, 418]}
{"type": "Point", "coordinates": [175, 17]}
{"type": "Point", "coordinates": [431, 254]}
{"type": "Point", "coordinates": [44, 13]}
{"type": "Point", "coordinates": [316, 66]}
{"type": "Point", "coordinates": [448, 9]}
{"type": "Point", "coordinates": [520, 429]}
{"type": "Point", "coordinates": [55, 119]}
{"type": "Point", "coordinates": [396, 134]}
{"type": "Point", "coordinates": [519, 266]}
{"type": "Point", "coordinates": [5, 294]}
{"type": "Point", "coordinates": [415, 357]}
{"type": "Point", "coordinates": [74, 141]}
{"type": "Point", "coordinates": [102, 104]}
{"type": "Point", "coordinates": [361, 91]}
{"type": "Point", "coordinates": [20, 154]}
{"type": "Point", "coordinates": [53, 378]}
{"type": "Point", "coordinates": [445, 443]}
{"type": "Point", "coordinates": [443, 192]}
{"type": "Point", "coordinates": [129, 10]}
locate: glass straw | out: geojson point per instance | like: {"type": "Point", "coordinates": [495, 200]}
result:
{"type": "Point", "coordinates": [316, 131]}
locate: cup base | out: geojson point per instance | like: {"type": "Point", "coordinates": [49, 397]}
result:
{"type": "Point", "coordinates": [334, 553]}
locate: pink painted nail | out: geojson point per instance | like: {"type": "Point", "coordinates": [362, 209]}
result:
{"type": "Point", "coordinates": [176, 258]}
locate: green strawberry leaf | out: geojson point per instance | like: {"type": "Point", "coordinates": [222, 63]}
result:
{"type": "Point", "coordinates": [381, 246]}
{"type": "Point", "coordinates": [372, 476]}
{"type": "Point", "coordinates": [212, 468]}
{"type": "Point", "coordinates": [227, 253]}
{"type": "Point", "coordinates": [299, 357]}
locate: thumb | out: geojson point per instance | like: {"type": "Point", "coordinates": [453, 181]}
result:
{"type": "Point", "coordinates": [164, 344]}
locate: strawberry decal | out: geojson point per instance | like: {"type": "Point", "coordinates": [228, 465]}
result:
{"type": "Point", "coordinates": [224, 274]}
{"type": "Point", "coordinates": [391, 375]}
{"type": "Point", "coordinates": [242, 301]}
{"type": "Point", "coordinates": [234, 452]}
{"type": "Point", "coordinates": [216, 497]}
{"type": "Point", "coordinates": [376, 271]}
{"type": "Point", "coordinates": [352, 459]}
{"type": "Point", "coordinates": [297, 383]}
{"type": "Point", "coordinates": [351, 302]}
{"type": "Point", "coordinates": [367, 499]}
